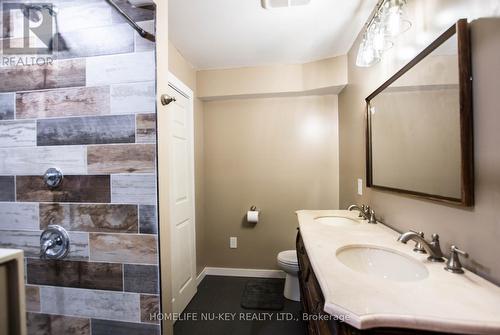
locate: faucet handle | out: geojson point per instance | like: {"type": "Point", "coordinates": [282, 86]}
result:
{"type": "Point", "coordinates": [453, 264]}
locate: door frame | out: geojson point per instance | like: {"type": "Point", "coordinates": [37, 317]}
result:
{"type": "Point", "coordinates": [177, 84]}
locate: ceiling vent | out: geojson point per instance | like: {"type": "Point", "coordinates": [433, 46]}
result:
{"type": "Point", "coordinates": [270, 4]}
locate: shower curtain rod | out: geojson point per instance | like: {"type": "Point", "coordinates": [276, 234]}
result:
{"type": "Point", "coordinates": [142, 32]}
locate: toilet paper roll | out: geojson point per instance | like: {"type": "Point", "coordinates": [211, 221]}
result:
{"type": "Point", "coordinates": [253, 216]}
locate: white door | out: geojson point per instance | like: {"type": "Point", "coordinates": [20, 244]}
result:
{"type": "Point", "coordinates": [182, 199]}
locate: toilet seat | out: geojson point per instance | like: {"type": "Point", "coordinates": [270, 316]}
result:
{"type": "Point", "coordinates": [288, 257]}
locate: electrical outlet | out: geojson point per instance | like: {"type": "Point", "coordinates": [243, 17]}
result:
{"type": "Point", "coordinates": [233, 242]}
{"type": "Point", "coordinates": [360, 186]}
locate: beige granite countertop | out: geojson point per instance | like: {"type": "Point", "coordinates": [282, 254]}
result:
{"type": "Point", "coordinates": [443, 301]}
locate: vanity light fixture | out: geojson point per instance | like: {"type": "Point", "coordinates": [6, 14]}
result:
{"type": "Point", "coordinates": [388, 21]}
{"type": "Point", "coordinates": [270, 4]}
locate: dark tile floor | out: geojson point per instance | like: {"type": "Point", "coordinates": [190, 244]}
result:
{"type": "Point", "coordinates": [222, 295]}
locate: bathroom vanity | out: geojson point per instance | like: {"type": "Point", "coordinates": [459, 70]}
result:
{"type": "Point", "coordinates": [356, 278]}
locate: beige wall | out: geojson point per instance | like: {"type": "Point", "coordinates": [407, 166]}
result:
{"type": "Point", "coordinates": [328, 75]}
{"type": "Point", "coordinates": [280, 154]}
{"type": "Point", "coordinates": [476, 230]}
{"type": "Point", "coordinates": [185, 72]}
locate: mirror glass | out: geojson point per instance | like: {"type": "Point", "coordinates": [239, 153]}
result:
{"type": "Point", "coordinates": [414, 127]}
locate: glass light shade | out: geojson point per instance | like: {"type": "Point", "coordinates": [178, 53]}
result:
{"type": "Point", "coordinates": [379, 38]}
{"type": "Point", "coordinates": [394, 18]}
{"type": "Point", "coordinates": [367, 55]}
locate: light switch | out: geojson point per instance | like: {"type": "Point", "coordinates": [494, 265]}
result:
{"type": "Point", "coordinates": [233, 242]}
{"type": "Point", "coordinates": [360, 186]}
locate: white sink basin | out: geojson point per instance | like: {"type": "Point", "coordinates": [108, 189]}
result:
{"type": "Point", "coordinates": [336, 221]}
{"type": "Point", "coordinates": [384, 263]}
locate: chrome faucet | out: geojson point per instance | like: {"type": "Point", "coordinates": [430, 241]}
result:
{"type": "Point", "coordinates": [365, 212]}
{"type": "Point", "coordinates": [433, 248]}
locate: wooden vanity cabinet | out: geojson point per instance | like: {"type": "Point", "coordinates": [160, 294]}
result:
{"type": "Point", "coordinates": [319, 322]}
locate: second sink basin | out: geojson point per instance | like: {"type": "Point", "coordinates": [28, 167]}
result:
{"type": "Point", "coordinates": [381, 262]}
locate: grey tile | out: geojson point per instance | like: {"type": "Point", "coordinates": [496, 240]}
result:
{"type": "Point", "coordinates": [91, 217]}
{"type": "Point", "coordinates": [7, 106]}
{"type": "Point", "coordinates": [133, 98]}
{"type": "Point", "coordinates": [116, 39]}
{"type": "Point", "coordinates": [19, 216]}
{"type": "Point", "coordinates": [17, 133]}
{"type": "Point", "coordinates": [74, 14]}
{"type": "Point", "coordinates": [45, 324]}
{"type": "Point", "coordinates": [117, 69]}
{"type": "Point", "coordinates": [123, 248]}
{"type": "Point", "coordinates": [133, 189]}
{"type": "Point", "coordinates": [65, 73]}
{"type": "Point", "coordinates": [141, 278]}
{"type": "Point", "coordinates": [80, 101]}
{"type": "Point", "coordinates": [36, 160]}
{"type": "Point", "coordinates": [7, 189]}
{"type": "Point", "coordinates": [105, 327]}
{"type": "Point", "coordinates": [86, 130]}
{"type": "Point", "coordinates": [142, 44]}
{"type": "Point", "coordinates": [29, 241]}
{"type": "Point", "coordinates": [148, 223]}
{"type": "Point", "coordinates": [90, 303]}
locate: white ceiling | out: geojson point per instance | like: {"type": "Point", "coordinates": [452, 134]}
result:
{"type": "Point", "coordinates": [236, 33]}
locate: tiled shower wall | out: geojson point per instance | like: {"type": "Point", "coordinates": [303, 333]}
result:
{"type": "Point", "coordinates": [91, 114]}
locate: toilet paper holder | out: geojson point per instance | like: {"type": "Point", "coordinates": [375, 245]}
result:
{"type": "Point", "coordinates": [253, 208]}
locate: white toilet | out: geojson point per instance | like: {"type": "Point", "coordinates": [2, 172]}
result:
{"type": "Point", "coordinates": [287, 261]}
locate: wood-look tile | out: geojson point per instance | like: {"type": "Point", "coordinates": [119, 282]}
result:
{"type": "Point", "coordinates": [124, 248]}
{"type": "Point", "coordinates": [136, 13]}
{"type": "Point", "coordinates": [29, 241]}
{"type": "Point", "coordinates": [142, 44]}
{"type": "Point", "coordinates": [94, 189]}
{"type": "Point", "coordinates": [65, 73]}
{"type": "Point", "coordinates": [32, 298]}
{"type": "Point", "coordinates": [36, 160]}
{"type": "Point", "coordinates": [90, 217]}
{"type": "Point", "coordinates": [148, 223]}
{"type": "Point", "coordinates": [115, 39]}
{"type": "Point", "coordinates": [90, 303]}
{"type": "Point", "coordinates": [119, 69]}
{"type": "Point", "coordinates": [131, 158]}
{"type": "Point", "coordinates": [45, 324]}
{"type": "Point", "coordinates": [106, 327]}
{"type": "Point", "coordinates": [7, 106]}
{"type": "Point", "coordinates": [74, 15]}
{"type": "Point", "coordinates": [150, 305]}
{"type": "Point", "coordinates": [146, 128]}
{"type": "Point", "coordinates": [133, 189]}
{"type": "Point", "coordinates": [133, 98]}
{"type": "Point", "coordinates": [80, 101]}
{"type": "Point", "coordinates": [17, 133]}
{"type": "Point", "coordinates": [91, 275]}
{"type": "Point", "coordinates": [18, 216]}
{"type": "Point", "coordinates": [7, 189]}
{"type": "Point", "coordinates": [86, 130]}
{"type": "Point", "coordinates": [141, 278]}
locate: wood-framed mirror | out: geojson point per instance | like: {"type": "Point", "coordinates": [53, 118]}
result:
{"type": "Point", "coordinates": [419, 138]}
